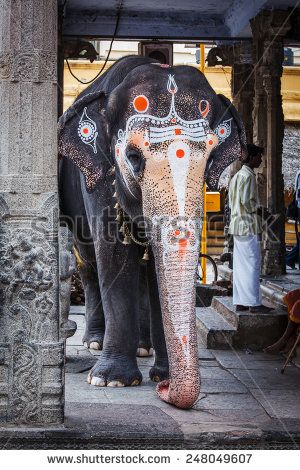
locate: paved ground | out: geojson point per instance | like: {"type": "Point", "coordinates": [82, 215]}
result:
{"type": "Point", "coordinates": [245, 401]}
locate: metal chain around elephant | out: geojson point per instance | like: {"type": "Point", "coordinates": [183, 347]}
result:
{"type": "Point", "coordinates": [128, 235]}
{"type": "Point", "coordinates": [138, 242]}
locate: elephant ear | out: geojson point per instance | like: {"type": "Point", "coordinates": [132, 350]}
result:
{"type": "Point", "coordinates": [82, 137]}
{"type": "Point", "coordinates": [229, 127]}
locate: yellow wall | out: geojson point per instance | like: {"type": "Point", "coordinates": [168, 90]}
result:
{"type": "Point", "coordinates": [219, 79]}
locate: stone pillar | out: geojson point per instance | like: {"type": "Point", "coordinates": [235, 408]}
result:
{"type": "Point", "coordinates": [269, 29]}
{"type": "Point", "coordinates": [242, 89]}
{"type": "Point", "coordinates": [242, 84]}
{"type": "Point", "coordinates": [242, 92]}
{"type": "Point", "coordinates": [31, 352]}
{"type": "Point", "coordinates": [60, 60]}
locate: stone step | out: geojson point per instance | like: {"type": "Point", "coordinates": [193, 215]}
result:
{"type": "Point", "coordinates": [213, 330]}
{"type": "Point", "coordinates": [226, 309]}
{"type": "Point", "coordinates": [274, 289]}
{"type": "Point", "coordinates": [253, 330]}
{"type": "Point", "coordinates": [206, 292]}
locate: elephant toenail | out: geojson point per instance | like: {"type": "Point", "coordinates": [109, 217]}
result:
{"type": "Point", "coordinates": [135, 382]}
{"type": "Point", "coordinates": [95, 345]}
{"type": "Point", "coordinates": [115, 383]}
{"type": "Point", "coordinates": [85, 344]}
{"type": "Point", "coordinates": [89, 378]}
{"type": "Point", "coordinates": [98, 382]}
{"type": "Point", "coordinates": [143, 352]}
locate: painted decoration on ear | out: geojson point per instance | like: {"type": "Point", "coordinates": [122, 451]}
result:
{"type": "Point", "coordinates": [223, 130]}
{"type": "Point", "coordinates": [87, 130]}
{"type": "Point", "coordinates": [204, 108]}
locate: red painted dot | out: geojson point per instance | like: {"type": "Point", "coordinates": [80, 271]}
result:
{"type": "Point", "coordinates": [188, 234]}
{"type": "Point", "coordinates": [173, 120]}
{"type": "Point", "coordinates": [177, 232]}
{"type": "Point", "coordinates": [210, 142]}
{"type": "Point", "coordinates": [141, 103]}
{"type": "Point", "coordinates": [146, 143]}
{"type": "Point", "coordinates": [118, 151]}
{"type": "Point", "coordinates": [85, 130]}
{"type": "Point", "coordinates": [180, 153]}
{"type": "Point", "coordinates": [222, 131]}
{"type": "Point", "coordinates": [177, 131]}
{"type": "Point", "coordinates": [182, 242]}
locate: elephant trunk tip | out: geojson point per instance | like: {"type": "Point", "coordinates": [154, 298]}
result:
{"type": "Point", "coordinates": [182, 395]}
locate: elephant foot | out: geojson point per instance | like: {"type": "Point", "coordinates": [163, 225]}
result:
{"type": "Point", "coordinates": [93, 341]}
{"type": "Point", "coordinates": [114, 373]}
{"type": "Point", "coordinates": [159, 372]}
{"type": "Point", "coordinates": [144, 352]}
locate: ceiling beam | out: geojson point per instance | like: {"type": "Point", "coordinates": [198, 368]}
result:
{"type": "Point", "coordinates": [145, 25]}
{"type": "Point", "coordinates": [240, 13]}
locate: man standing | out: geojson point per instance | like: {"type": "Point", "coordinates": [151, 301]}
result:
{"type": "Point", "coordinates": [246, 228]}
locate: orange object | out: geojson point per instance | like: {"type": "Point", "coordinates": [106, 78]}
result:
{"type": "Point", "coordinates": [292, 301]}
{"type": "Point", "coordinates": [180, 153]}
{"type": "Point", "coordinates": [141, 103]}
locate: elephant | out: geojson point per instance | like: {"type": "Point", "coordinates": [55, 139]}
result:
{"type": "Point", "coordinates": [134, 152]}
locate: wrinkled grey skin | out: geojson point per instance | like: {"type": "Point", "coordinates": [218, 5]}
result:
{"type": "Point", "coordinates": [67, 267]}
{"type": "Point", "coordinates": [112, 276]}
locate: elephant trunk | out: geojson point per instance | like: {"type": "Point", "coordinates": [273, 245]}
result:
{"type": "Point", "coordinates": [176, 277]}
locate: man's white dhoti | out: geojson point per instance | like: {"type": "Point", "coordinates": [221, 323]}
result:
{"type": "Point", "coordinates": [246, 270]}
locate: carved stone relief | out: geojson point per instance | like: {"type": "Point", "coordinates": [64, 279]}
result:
{"type": "Point", "coordinates": [29, 317]}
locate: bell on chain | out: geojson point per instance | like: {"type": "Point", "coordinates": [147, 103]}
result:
{"type": "Point", "coordinates": [146, 255]}
{"type": "Point", "coordinates": [119, 218]}
{"type": "Point", "coordinates": [123, 228]}
{"type": "Point", "coordinates": [127, 240]}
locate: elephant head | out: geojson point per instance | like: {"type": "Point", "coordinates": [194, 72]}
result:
{"type": "Point", "coordinates": [166, 131]}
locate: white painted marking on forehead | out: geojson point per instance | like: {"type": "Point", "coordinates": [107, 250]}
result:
{"type": "Point", "coordinates": [179, 158]}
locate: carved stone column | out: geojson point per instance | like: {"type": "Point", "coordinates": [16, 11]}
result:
{"type": "Point", "coordinates": [242, 89]}
{"type": "Point", "coordinates": [242, 92]}
{"type": "Point", "coordinates": [269, 29]}
{"type": "Point", "coordinates": [242, 84]}
{"type": "Point", "coordinates": [31, 352]}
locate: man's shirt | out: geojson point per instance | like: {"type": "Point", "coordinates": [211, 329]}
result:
{"type": "Point", "coordinates": [243, 202]}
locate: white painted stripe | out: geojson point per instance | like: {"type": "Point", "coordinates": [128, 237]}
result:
{"type": "Point", "coordinates": [200, 138]}
{"type": "Point", "coordinates": [179, 168]}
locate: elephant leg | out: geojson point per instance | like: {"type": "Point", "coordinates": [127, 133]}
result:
{"type": "Point", "coordinates": [160, 370]}
{"type": "Point", "coordinates": [94, 317]}
{"type": "Point", "coordinates": [145, 347]}
{"type": "Point", "coordinates": [119, 277]}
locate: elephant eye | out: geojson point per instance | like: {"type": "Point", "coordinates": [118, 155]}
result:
{"type": "Point", "coordinates": [136, 160]}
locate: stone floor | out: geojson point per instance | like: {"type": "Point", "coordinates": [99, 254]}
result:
{"type": "Point", "coordinates": [245, 402]}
